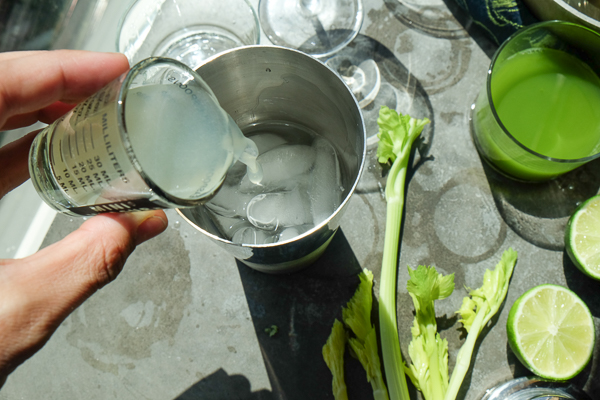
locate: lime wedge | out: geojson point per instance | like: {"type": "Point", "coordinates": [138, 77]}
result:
{"type": "Point", "coordinates": [551, 331]}
{"type": "Point", "coordinates": [582, 237]}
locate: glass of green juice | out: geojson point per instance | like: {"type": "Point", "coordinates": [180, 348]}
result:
{"type": "Point", "coordinates": [538, 115]}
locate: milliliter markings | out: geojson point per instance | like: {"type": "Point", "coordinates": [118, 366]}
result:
{"type": "Point", "coordinates": [92, 139]}
{"type": "Point", "coordinates": [76, 142]}
{"type": "Point", "coordinates": [69, 145]}
{"type": "Point", "coordinates": [83, 139]}
{"type": "Point", "coordinates": [51, 154]}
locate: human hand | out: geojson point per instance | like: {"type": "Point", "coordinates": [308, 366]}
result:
{"type": "Point", "coordinates": [38, 292]}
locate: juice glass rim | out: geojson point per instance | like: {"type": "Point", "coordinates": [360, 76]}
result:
{"type": "Point", "coordinates": [134, 4]}
{"type": "Point", "coordinates": [491, 102]}
{"type": "Point", "coordinates": [121, 101]}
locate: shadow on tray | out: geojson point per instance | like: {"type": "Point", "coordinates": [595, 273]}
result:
{"type": "Point", "coordinates": [302, 307]}
{"type": "Point", "coordinates": [539, 212]}
{"type": "Point", "coordinates": [292, 316]}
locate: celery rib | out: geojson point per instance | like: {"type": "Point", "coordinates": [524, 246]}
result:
{"type": "Point", "coordinates": [397, 134]}
{"type": "Point", "coordinates": [390, 344]}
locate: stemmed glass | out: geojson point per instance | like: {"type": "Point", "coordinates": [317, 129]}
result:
{"type": "Point", "coordinates": [324, 29]}
{"type": "Point", "coordinates": [316, 27]}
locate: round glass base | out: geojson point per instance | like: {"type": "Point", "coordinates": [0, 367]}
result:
{"type": "Point", "coordinates": [529, 388]}
{"type": "Point", "coordinates": [193, 46]}
{"type": "Point", "coordinates": [361, 76]}
{"type": "Point", "coordinates": [316, 27]}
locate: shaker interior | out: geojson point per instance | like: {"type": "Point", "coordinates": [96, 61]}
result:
{"type": "Point", "coordinates": [260, 84]}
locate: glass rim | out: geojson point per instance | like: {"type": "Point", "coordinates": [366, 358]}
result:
{"type": "Point", "coordinates": [493, 108]}
{"type": "Point", "coordinates": [131, 7]}
{"type": "Point", "coordinates": [121, 101]}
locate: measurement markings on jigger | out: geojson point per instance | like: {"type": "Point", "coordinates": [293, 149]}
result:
{"type": "Point", "coordinates": [69, 145]}
{"type": "Point", "coordinates": [76, 143]}
{"type": "Point", "coordinates": [92, 139]}
{"type": "Point", "coordinates": [83, 139]}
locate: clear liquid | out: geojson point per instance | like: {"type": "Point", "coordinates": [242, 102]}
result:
{"type": "Point", "coordinates": [300, 188]}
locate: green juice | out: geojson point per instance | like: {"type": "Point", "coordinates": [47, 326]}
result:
{"type": "Point", "coordinates": [549, 101]}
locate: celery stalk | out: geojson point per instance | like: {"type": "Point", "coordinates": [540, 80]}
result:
{"type": "Point", "coordinates": [333, 354]}
{"type": "Point", "coordinates": [428, 352]}
{"type": "Point", "coordinates": [397, 133]}
{"type": "Point", "coordinates": [476, 311]}
{"type": "Point", "coordinates": [357, 316]}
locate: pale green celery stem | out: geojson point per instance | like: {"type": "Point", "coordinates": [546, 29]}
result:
{"type": "Point", "coordinates": [380, 394]}
{"type": "Point", "coordinates": [342, 393]}
{"type": "Point", "coordinates": [463, 359]}
{"type": "Point", "coordinates": [390, 343]}
{"type": "Point", "coordinates": [436, 388]}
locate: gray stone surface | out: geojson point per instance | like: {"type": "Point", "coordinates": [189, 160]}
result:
{"type": "Point", "coordinates": [184, 320]}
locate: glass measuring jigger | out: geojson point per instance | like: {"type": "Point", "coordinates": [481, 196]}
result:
{"type": "Point", "coordinates": [154, 138]}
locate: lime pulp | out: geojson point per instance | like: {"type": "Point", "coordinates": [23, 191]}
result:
{"type": "Point", "coordinates": [551, 331]}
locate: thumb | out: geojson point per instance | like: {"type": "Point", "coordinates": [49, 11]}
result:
{"type": "Point", "coordinates": [38, 292]}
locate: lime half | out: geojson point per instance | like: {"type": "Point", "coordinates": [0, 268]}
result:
{"type": "Point", "coordinates": [551, 331]}
{"type": "Point", "coordinates": [582, 237]}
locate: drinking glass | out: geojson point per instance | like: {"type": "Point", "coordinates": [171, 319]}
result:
{"type": "Point", "coordinates": [316, 27]}
{"type": "Point", "coordinates": [187, 30]}
{"type": "Point", "coordinates": [538, 115]}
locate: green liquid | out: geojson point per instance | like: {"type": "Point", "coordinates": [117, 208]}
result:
{"type": "Point", "coordinates": [550, 102]}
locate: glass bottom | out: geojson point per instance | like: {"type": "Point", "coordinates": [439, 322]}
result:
{"type": "Point", "coordinates": [362, 77]}
{"type": "Point", "coordinates": [529, 388]}
{"type": "Point", "coordinates": [318, 28]}
{"type": "Point", "coordinates": [41, 174]}
{"type": "Point", "coordinates": [193, 46]}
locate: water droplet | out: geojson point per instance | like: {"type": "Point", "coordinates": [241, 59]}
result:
{"type": "Point", "coordinates": [176, 225]}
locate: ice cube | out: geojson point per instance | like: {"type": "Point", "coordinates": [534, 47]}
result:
{"type": "Point", "coordinates": [251, 235]}
{"type": "Point", "coordinates": [259, 213]}
{"type": "Point", "coordinates": [272, 211]}
{"type": "Point", "coordinates": [284, 167]}
{"type": "Point", "coordinates": [229, 202]}
{"type": "Point", "coordinates": [325, 181]}
{"type": "Point", "coordinates": [228, 226]}
{"type": "Point", "coordinates": [288, 233]}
